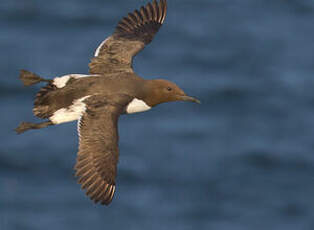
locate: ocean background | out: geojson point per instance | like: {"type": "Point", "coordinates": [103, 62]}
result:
{"type": "Point", "coordinates": [242, 160]}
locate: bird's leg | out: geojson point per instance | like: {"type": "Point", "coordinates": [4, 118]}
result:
{"type": "Point", "coordinates": [24, 126]}
{"type": "Point", "coordinates": [29, 78]}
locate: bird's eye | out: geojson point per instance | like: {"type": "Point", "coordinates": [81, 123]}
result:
{"type": "Point", "coordinates": [169, 88]}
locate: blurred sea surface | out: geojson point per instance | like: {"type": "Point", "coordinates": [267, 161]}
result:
{"type": "Point", "coordinates": [243, 159]}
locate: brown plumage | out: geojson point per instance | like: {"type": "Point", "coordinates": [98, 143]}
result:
{"type": "Point", "coordinates": [97, 158]}
{"type": "Point", "coordinates": [97, 100]}
{"type": "Point", "coordinates": [131, 35]}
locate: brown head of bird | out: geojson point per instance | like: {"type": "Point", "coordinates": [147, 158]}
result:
{"type": "Point", "coordinates": [161, 91]}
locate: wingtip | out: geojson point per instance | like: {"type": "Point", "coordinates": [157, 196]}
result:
{"type": "Point", "coordinates": [102, 193]}
{"type": "Point", "coordinates": [109, 196]}
{"type": "Point", "coordinates": [164, 10]}
{"type": "Point", "coordinates": [151, 12]}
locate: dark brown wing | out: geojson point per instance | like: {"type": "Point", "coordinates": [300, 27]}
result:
{"type": "Point", "coordinates": [132, 33]}
{"type": "Point", "coordinates": [98, 155]}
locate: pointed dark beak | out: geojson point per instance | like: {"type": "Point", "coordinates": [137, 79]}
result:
{"type": "Point", "coordinates": [188, 98]}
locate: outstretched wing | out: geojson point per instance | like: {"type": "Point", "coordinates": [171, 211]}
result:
{"type": "Point", "coordinates": [98, 155]}
{"type": "Point", "coordinates": [132, 33]}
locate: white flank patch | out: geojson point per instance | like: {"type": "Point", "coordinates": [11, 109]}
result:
{"type": "Point", "coordinates": [99, 47]}
{"type": "Point", "coordinates": [136, 106]}
{"type": "Point", "coordinates": [71, 113]}
{"type": "Point", "coordinates": [60, 82]}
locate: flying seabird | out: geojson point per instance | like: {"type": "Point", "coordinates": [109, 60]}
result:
{"type": "Point", "coordinates": [97, 100]}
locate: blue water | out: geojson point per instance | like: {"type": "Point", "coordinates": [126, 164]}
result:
{"type": "Point", "coordinates": [244, 159]}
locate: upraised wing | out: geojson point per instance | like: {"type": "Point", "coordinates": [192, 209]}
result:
{"type": "Point", "coordinates": [98, 155]}
{"type": "Point", "coordinates": [132, 33]}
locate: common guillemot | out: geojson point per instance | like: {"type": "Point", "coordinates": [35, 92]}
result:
{"type": "Point", "coordinates": [98, 99]}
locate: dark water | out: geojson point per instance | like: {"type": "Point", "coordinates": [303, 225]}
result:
{"type": "Point", "coordinates": [242, 160]}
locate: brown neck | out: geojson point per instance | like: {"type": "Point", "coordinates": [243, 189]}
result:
{"type": "Point", "coordinates": [150, 92]}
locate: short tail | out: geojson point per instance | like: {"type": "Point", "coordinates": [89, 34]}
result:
{"type": "Point", "coordinates": [24, 126]}
{"type": "Point", "coordinates": [29, 78]}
